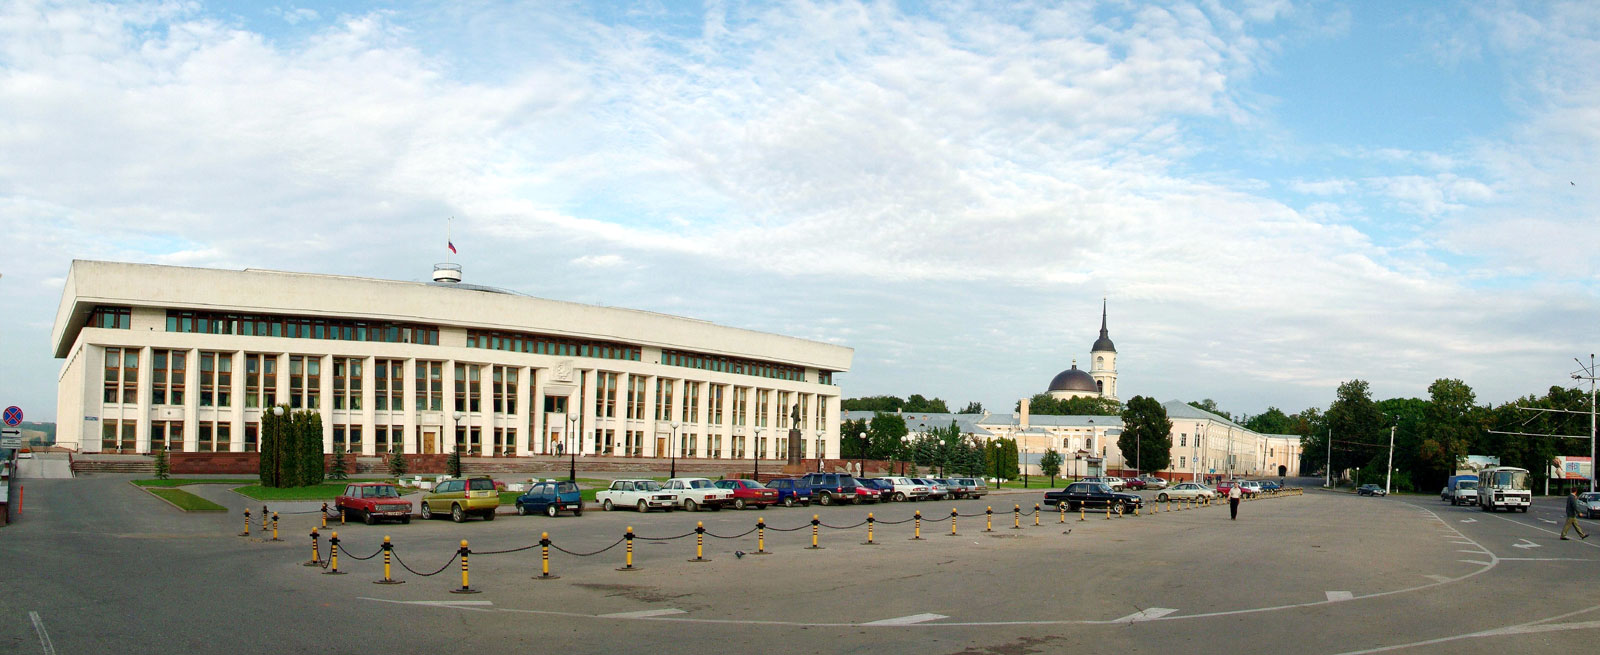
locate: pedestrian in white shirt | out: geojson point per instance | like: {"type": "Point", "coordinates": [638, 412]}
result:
{"type": "Point", "coordinates": [1234, 494]}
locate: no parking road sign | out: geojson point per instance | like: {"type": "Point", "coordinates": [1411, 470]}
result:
{"type": "Point", "coordinates": [13, 416]}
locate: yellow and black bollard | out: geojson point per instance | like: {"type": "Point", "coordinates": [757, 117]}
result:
{"type": "Point", "coordinates": [324, 515]}
{"type": "Point", "coordinates": [333, 556]}
{"type": "Point", "coordinates": [699, 542]}
{"type": "Point", "coordinates": [1062, 509]}
{"type": "Point", "coordinates": [341, 516]}
{"type": "Point", "coordinates": [628, 563]}
{"type": "Point", "coordinates": [1080, 513]}
{"type": "Point", "coordinates": [1036, 515]}
{"type": "Point", "coordinates": [1108, 511]}
{"type": "Point", "coordinates": [917, 534]}
{"type": "Point", "coordinates": [815, 521]}
{"type": "Point", "coordinates": [1016, 516]}
{"type": "Point", "coordinates": [870, 521]}
{"type": "Point", "coordinates": [388, 548]}
{"type": "Point", "coordinates": [316, 553]}
{"type": "Point", "coordinates": [1135, 510]}
{"type": "Point", "coordinates": [246, 532]}
{"type": "Point", "coordinates": [988, 519]}
{"type": "Point", "coordinates": [953, 523]}
{"type": "Point", "coordinates": [275, 527]}
{"type": "Point", "coordinates": [263, 519]}
{"type": "Point", "coordinates": [761, 537]}
{"type": "Point", "coordinates": [463, 552]}
{"type": "Point", "coordinates": [544, 558]}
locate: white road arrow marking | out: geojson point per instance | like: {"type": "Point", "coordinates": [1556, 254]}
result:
{"type": "Point", "coordinates": [1469, 520]}
{"type": "Point", "coordinates": [1146, 615]}
{"type": "Point", "coordinates": [1526, 544]}
{"type": "Point", "coordinates": [1340, 595]}
{"type": "Point", "coordinates": [642, 614]}
{"type": "Point", "coordinates": [908, 620]}
{"type": "Point", "coordinates": [1547, 521]}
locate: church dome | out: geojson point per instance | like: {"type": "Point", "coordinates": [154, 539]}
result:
{"type": "Point", "coordinates": [1074, 379]}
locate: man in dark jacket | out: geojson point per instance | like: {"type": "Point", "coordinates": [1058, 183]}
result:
{"type": "Point", "coordinates": [1572, 515]}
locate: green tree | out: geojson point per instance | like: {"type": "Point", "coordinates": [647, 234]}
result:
{"type": "Point", "coordinates": [397, 463]}
{"type": "Point", "coordinates": [163, 468]}
{"type": "Point", "coordinates": [1272, 421]}
{"type": "Point", "coordinates": [280, 458]}
{"type": "Point", "coordinates": [1452, 420]}
{"type": "Point", "coordinates": [973, 407]}
{"type": "Point", "coordinates": [916, 403]}
{"type": "Point", "coordinates": [850, 441]}
{"type": "Point", "coordinates": [1146, 435]}
{"type": "Point", "coordinates": [1043, 404]}
{"type": "Point", "coordinates": [1210, 406]}
{"type": "Point", "coordinates": [338, 472]}
{"type": "Point", "coordinates": [872, 404]}
{"type": "Point", "coordinates": [1358, 426]}
{"type": "Point", "coordinates": [1050, 464]}
{"type": "Point", "coordinates": [886, 436]}
{"type": "Point", "coordinates": [453, 465]}
{"type": "Point", "coordinates": [306, 426]}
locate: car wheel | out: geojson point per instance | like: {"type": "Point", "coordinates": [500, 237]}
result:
{"type": "Point", "coordinates": [788, 501]}
{"type": "Point", "coordinates": [522, 510]}
{"type": "Point", "coordinates": [689, 505]}
{"type": "Point", "coordinates": [606, 506]}
{"type": "Point", "coordinates": [550, 510]}
{"type": "Point", "coordinates": [426, 513]}
{"type": "Point", "coordinates": [456, 514]}
{"type": "Point", "coordinates": [1524, 509]}
{"type": "Point", "coordinates": [643, 507]}
{"type": "Point", "coordinates": [367, 518]}
{"type": "Point", "coordinates": [406, 519]}
{"type": "Point", "coordinates": [1161, 497]}
{"type": "Point", "coordinates": [489, 515]}
{"type": "Point", "coordinates": [577, 512]}
{"type": "Point", "coordinates": [826, 499]}
{"type": "Point", "coordinates": [899, 497]}
{"type": "Point", "coordinates": [738, 503]}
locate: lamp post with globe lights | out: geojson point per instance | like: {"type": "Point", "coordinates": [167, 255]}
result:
{"type": "Point", "coordinates": [672, 449]}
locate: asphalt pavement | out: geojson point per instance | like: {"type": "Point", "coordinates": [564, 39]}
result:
{"type": "Point", "coordinates": [99, 566]}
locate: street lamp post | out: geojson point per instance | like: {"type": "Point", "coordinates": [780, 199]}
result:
{"type": "Point", "coordinates": [1390, 474]}
{"type": "Point", "coordinates": [863, 471]}
{"type": "Point", "coordinates": [672, 449]}
{"type": "Point", "coordinates": [755, 462]}
{"type": "Point", "coordinates": [821, 454]}
{"type": "Point", "coordinates": [1024, 467]}
{"type": "Point", "coordinates": [572, 450]}
{"type": "Point", "coordinates": [277, 446]}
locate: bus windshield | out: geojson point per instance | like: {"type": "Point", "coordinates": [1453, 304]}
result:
{"type": "Point", "coordinates": [1511, 479]}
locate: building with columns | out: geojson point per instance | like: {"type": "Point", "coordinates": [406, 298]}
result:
{"type": "Point", "coordinates": [188, 358]}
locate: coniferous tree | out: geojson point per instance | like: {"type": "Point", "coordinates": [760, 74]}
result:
{"type": "Point", "coordinates": [280, 457]}
{"type": "Point", "coordinates": [307, 428]}
{"type": "Point", "coordinates": [338, 472]}
{"type": "Point", "coordinates": [454, 465]}
{"type": "Point", "coordinates": [163, 469]}
{"type": "Point", "coordinates": [397, 463]}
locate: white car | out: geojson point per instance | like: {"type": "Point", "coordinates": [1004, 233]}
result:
{"type": "Point", "coordinates": [1186, 490]}
{"type": "Point", "coordinates": [906, 489]}
{"type": "Point", "coordinates": [694, 493]}
{"type": "Point", "coordinates": [1250, 487]}
{"type": "Point", "coordinates": [936, 491]}
{"type": "Point", "coordinates": [1116, 484]}
{"type": "Point", "coordinates": [643, 495]}
{"type": "Point", "coordinates": [1153, 483]}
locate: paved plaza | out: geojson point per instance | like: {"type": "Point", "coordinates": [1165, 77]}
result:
{"type": "Point", "coordinates": [99, 566]}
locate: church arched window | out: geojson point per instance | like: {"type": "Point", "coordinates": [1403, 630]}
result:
{"type": "Point", "coordinates": [1100, 362]}
{"type": "Point", "coordinates": [1066, 444]}
{"type": "Point", "coordinates": [1101, 385]}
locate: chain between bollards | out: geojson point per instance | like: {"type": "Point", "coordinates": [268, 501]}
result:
{"type": "Point", "coordinates": [388, 555]}
{"type": "Point", "coordinates": [466, 588]}
{"type": "Point", "coordinates": [700, 542]}
{"type": "Point", "coordinates": [333, 555]}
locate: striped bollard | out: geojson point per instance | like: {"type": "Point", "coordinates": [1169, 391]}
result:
{"type": "Point", "coordinates": [544, 559]}
{"type": "Point", "coordinates": [333, 556]}
{"type": "Point", "coordinates": [246, 532]}
{"type": "Point", "coordinates": [988, 519]}
{"type": "Point", "coordinates": [870, 521]}
{"type": "Point", "coordinates": [917, 534]}
{"type": "Point", "coordinates": [388, 549]}
{"type": "Point", "coordinates": [628, 563]}
{"type": "Point", "coordinates": [466, 588]}
{"type": "Point", "coordinates": [761, 537]}
{"type": "Point", "coordinates": [953, 523]}
{"type": "Point", "coordinates": [699, 542]}
{"type": "Point", "coordinates": [815, 521]}
{"type": "Point", "coordinates": [316, 554]}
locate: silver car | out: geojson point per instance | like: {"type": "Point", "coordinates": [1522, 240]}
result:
{"type": "Point", "coordinates": [936, 490]}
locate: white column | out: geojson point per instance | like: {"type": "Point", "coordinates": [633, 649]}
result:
{"type": "Point", "coordinates": [448, 439]}
{"type": "Point", "coordinates": [539, 440]}
{"type": "Point", "coordinates": [191, 399]}
{"type": "Point", "coordinates": [485, 415]}
{"type": "Point", "coordinates": [410, 439]}
{"type": "Point", "coordinates": [325, 393]}
{"type": "Point", "coordinates": [589, 397]}
{"type": "Point", "coordinates": [649, 432]}
{"type": "Point", "coordinates": [520, 425]}
{"type": "Point", "coordinates": [369, 408]}
{"type": "Point", "coordinates": [144, 389]}
{"type": "Point", "coordinates": [236, 393]}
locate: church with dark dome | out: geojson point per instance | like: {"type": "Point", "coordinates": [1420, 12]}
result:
{"type": "Point", "coordinates": [1100, 380]}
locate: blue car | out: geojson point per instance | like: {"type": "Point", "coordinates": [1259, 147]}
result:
{"type": "Point", "coordinates": [1268, 485]}
{"type": "Point", "coordinates": [551, 498]}
{"type": "Point", "coordinates": [791, 492]}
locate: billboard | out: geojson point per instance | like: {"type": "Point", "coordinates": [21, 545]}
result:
{"type": "Point", "coordinates": [1571, 468]}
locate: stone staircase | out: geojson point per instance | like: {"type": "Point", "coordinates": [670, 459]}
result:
{"type": "Point", "coordinates": [138, 464]}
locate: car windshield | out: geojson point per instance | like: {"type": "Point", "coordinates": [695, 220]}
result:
{"type": "Point", "coordinates": [700, 484]}
{"type": "Point", "coordinates": [1466, 484]}
{"type": "Point", "coordinates": [647, 485]}
{"type": "Point", "coordinates": [1102, 488]}
{"type": "Point", "coordinates": [1589, 497]}
{"type": "Point", "coordinates": [379, 492]}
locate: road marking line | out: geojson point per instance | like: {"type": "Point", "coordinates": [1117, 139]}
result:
{"type": "Point", "coordinates": [1469, 520]}
{"type": "Point", "coordinates": [1526, 544]}
{"type": "Point", "coordinates": [908, 620]}
{"type": "Point", "coordinates": [1437, 578]}
{"type": "Point", "coordinates": [44, 635]}
{"type": "Point", "coordinates": [1548, 559]}
{"type": "Point", "coordinates": [1473, 561]}
{"type": "Point", "coordinates": [1521, 628]}
{"type": "Point", "coordinates": [1340, 595]}
{"type": "Point", "coordinates": [1146, 615]}
{"type": "Point", "coordinates": [1585, 543]}
{"type": "Point", "coordinates": [1463, 543]}
{"type": "Point", "coordinates": [1474, 552]}
{"type": "Point", "coordinates": [474, 605]}
{"type": "Point", "coordinates": [641, 614]}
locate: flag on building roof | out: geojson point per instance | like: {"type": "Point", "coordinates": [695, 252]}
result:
{"type": "Point", "coordinates": [452, 247]}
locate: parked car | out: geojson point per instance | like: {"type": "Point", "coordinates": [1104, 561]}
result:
{"type": "Point", "coordinates": [1370, 490]}
{"type": "Point", "coordinates": [1154, 482]}
{"type": "Point", "coordinates": [791, 491]}
{"type": "Point", "coordinates": [1114, 482]}
{"type": "Point", "coordinates": [694, 493]}
{"type": "Point", "coordinates": [749, 493]}
{"type": "Point", "coordinates": [1133, 483]}
{"type": "Point", "coordinates": [642, 495]}
{"type": "Point", "coordinates": [1251, 488]}
{"type": "Point", "coordinates": [906, 489]}
{"type": "Point", "coordinates": [1270, 486]}
{"type": "Point", "coordinates": [830, 488]}
{"type": "Point", "coordinates": [1186, 490]}
{"type": "Point", "coordinates": [551, 498]}
{"type": "Point", "coordinates": [972, 487]}
{"type": "Point", "coordinates": [884, 487]}
{"type": "Point", "coordinates": [1093, 494]}
{"type": "Point", "coordinates": [462, 498]}
{"type": "Point", "coordinates": [1226, 486]}
{"type": "Point", "coordinates": [1589, 504]}
{"type": "Point", "coordinates": [936, 491]}
{"type": "Point", "coordinates": [867, 494]}
{"type": "Point", "coordinates": [373, 501]}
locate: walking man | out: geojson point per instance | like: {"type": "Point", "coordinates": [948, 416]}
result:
{"type": "Point", "coordinates": [1572, 516]}
{"type": "Point", "coordinates": [1233, 500]}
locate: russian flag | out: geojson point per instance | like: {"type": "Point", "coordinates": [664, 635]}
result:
{"type": "Point", "coordinates": [452, 247]}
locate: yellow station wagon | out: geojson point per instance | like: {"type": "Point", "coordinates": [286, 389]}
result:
{"type": "Point", "coordinates": [462, 497]}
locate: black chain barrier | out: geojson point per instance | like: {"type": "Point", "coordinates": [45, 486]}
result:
{"type": "Point", "coordinates": [375, 553]}
{"type": "Point", "coordinates": [501, 552]}
{"type": "Point", "coordinates": [686, 534]}
{"type": "Point", "coordinates": [843, 527]}
{"type": "Point", "coordinates": [883, 522]}
{"type": "Point", "coordinates": [737, 536]}
{"type": "Point", "coordinates": [402, 564]}
{"type": "Point", "coordinates": [614, 544]}
{"type": "Point", "coordinates": [801, 527]}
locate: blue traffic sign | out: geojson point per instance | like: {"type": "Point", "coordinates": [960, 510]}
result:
{"type": "Point", "coordinates": [13, 416]}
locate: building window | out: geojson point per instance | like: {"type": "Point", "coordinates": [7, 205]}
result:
{"type": "Point", "coordinates": [430, 386]}
{"type": "Point", "coordinates": [714, 404]}
{"type": "Point", "coordinates": [468, 387]}
{"type": "Point", "coordinates": [663, 399]}
{"type": "Point", "coordinates": [636, 397]}
{"type": "Point", "coordinates": [783, 410]}
{"type": "Point", "coordinates": [120, 435]}
{"type": "Point", "coordinates": [691, 402]}
{"type": "Point", "coordinates": [1183, 461]}
{"type": "Point", "coordinates": [762, 398]}
{"type": "Point", "coordinates": [606, 402]}
{"type": "Point", "coordinates": [216, 379]}
{"type": "Point", "coordinates": [305, 382]}
{"type": "Point", "coordinates": [741, 398]}
{"type": "Point", "coordinates": [805, 411]}
{"type": "Point", "coordinates": [213, 437]}
{"type": "Point", "coordinates": [300, 327]}
{"type": "Point", "coordinates": [252, 440]}
{"type": "Point", "coordinates": [825, 377]}
{"type": "Point", "coordinates": [167, 368]}
{"type": "Point", "coordinates": [340, 441]}
{"type": "Point", "coordinates": [1183, 439]}
{"type": "Point", "coordinates": [347, 383]}
{"type": "Point", "coordinates": [111, 318]}
{"type": "Point", "coordinates": [122, 375]}
{"type": "Point", "coordinates": [505, 390]}
{"type": "Point", "coordinates": [540, 344]}
{"type": "Point", "coordinates": [166, 435]}
{"type": "Point", "coordinates": [734, 365]}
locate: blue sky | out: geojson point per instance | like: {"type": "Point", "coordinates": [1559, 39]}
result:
{"type": "Point", "coordinates": [1275, 196]}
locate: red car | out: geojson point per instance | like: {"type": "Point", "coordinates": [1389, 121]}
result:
{"type": "Point", "coordinates": [749, 493]}
{"type": "Point", "coordinates": [373, 501]}
{"type": "Point", "coordinates": [866, 494]}
{"type": "Point", "coordinates": [1133, 483]}
{"type": "Point", "coordinates": [1224, 486]}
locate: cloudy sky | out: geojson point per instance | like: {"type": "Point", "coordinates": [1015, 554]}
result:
{"type": "Point", "coordinates": [1274, 196]}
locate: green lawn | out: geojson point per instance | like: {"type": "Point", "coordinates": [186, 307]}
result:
{"type": "Point", "coordinates": [186, 501]}
{"type": "Point", "coordinates": [178, 482]}
{"type": "Point", "coordinates": [324, 491]}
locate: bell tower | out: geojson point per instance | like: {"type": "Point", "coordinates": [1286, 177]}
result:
{"type": "Point", "coordinates": [1103, 356]}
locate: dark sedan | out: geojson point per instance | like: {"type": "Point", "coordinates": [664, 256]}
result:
{"type": "Point", "coordinates": [1093, 495]}
{"type": "Point", "coordinates": [1370, 490]}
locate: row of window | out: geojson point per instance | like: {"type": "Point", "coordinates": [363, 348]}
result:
{"type": "Point", "coordinates": [735, 365]}
{"type": "Point", "coordinates": [541, 344]}
{"type": "Point", "coordinates": [113, 318]}
{"type": "Point", "coordinates": [300, 327]}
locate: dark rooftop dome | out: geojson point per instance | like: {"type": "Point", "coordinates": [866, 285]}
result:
{"type": "Point", "coordinates": [1073, 379]}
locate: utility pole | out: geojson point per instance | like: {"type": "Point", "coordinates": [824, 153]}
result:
{"type": "Point", "coordinates": [1390, 474]}
{"type": "Point", "coordinates": [1329, 463]}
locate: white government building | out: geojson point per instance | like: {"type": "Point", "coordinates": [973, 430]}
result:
{"type": "Point", "coordinates": [187, 358]}
{"type": "Point", "coordinates": [1204, 444]}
